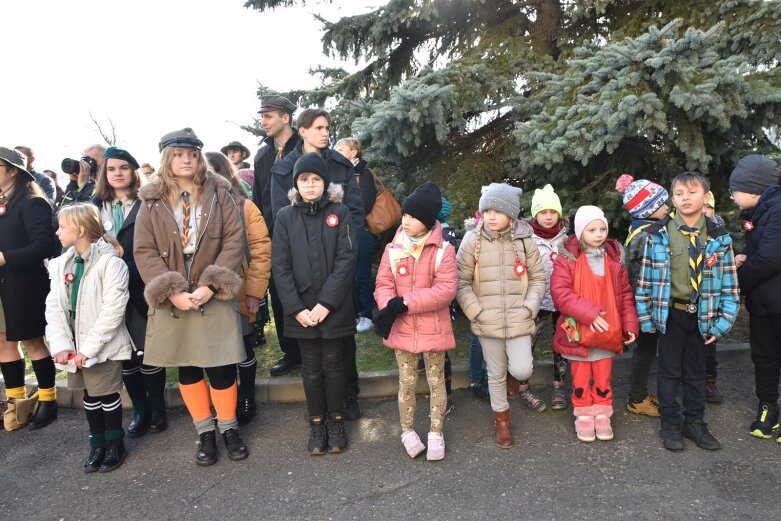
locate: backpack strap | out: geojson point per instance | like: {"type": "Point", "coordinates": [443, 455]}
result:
{"type": "Point", "coordinates": [635, 232]}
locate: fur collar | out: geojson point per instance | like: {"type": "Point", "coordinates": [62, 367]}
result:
{"type": "Point", "coordinates": [152, 190]}
{"type": "Point", "coordinates": [335, 195]}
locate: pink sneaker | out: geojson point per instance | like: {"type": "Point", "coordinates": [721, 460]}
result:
{"type": "Point", "coordinates": [602, 414]}
{"type": "Point", "coordinates": [412, 443]}
{"type": "Point", "coordinates": [584, 423]}
{"type": "Point", "coordinates": [436, 446]}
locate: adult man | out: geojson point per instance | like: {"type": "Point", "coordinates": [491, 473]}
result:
{"type": "Point", "coordinates": [236, 153]}
{"type": "Point", "coordinates": [276, 116]}
{"type": "Point", "coordinates": [82, 183]}
{"type": "Point", "coordinates": [57, 188]}
{"type": "Point", "coordinates": [314, 127]}
{"type": "Point", "coordinates": [42, 179]}
{"type": "Point", "coordinates": [147, 170]}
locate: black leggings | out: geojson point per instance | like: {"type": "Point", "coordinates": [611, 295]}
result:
{"type": "Point", "coordinates": [220, 377]}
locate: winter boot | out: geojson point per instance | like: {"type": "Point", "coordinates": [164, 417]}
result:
{"type": "Point", "coordinates": [337, 436]}
{"type": "Point", "coordinates": [207, 449]}
{"type": "Point", "coordinates": [602, 427]}
{"type": "Point", "coordinates": [585, 427]}
{"type": "Point", "coordinates": [512, 386]}
{"type": "Point", "coordinates": [97, 452]}
{"type": "Point", "coordinates": [504, 437]}
{"type": "Point", "coordinates": [115, 455]}
{"type": "Point", "coordinates": [318, 436]}
{"type": "Point", "coordinates": [236, 448]}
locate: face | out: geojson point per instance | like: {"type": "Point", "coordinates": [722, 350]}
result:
{"type": "Point", "coordinates": [235, 155]}
{"type": "Point", "coordinates": [412, 227]}
{"type": "Point", "coordinates": [689, 199]}
{"type": "Point", "coordinates": [311, 186]}
{"type": "Point", "coordinates": [594, 234]}
{"type": "Point", "coordinates": [348, 152]}
{"type": "Point", "coordinates": [147, 170]}
{"type": "Point", "coordinates": [317, 135]}
{"type": "Point", "coordinates": [274, 122]}
{"type": "Point", "coordinates": [495, 220]}
{"type": "Point", "coordinates": [119, 173]}
{"type": "Point", "coordinates": [548, 218]}
{"type": "Point", "coordinates": [745, 201]}
{"type": "Point", "coordinates": [184, 162]}
{"type": "Point", "coordinates": [7, 174]}
{"type": "Point", "coordinates": [67, 233]}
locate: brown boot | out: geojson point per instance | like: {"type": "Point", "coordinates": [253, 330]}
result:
{"type": "Point", "coordinates": [504, 438]}
{"type": "Point", "coordinates": [512, 386]}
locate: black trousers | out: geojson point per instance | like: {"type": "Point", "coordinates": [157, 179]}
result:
{"type": "Point", "coordinates": [765, 340]}
{"type": "Point", "coordinates": [682, 355]}
{"type": "Point", "coordinates": [350, 364]}
{"type": "Point", "coordinates": [642, 360]}
{"type": "Point", "coordinates": [289, 346]}
{"type": "Point", "coordinates": [322, 369]}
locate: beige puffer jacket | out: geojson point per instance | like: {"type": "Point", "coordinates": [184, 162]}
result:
{"type": "Point", "coordinates": [500, 303]}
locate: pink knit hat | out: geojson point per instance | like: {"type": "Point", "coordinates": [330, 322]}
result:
{"type": "Point", "coordinates": [247, 175]}
{"type": "Point", "coordinates": [585, 215]}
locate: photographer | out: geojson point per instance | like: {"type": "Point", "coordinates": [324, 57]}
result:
{"type": "Point", "coordinates": [82, 175]}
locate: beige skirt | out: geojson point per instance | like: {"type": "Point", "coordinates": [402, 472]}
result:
{"type": "Point", "coordinates": [99, 380]}
{"type": "Point", "coordinates": [207, 338]}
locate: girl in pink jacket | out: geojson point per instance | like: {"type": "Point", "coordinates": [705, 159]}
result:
{"type": "Point", "coordinates": [416, 282]}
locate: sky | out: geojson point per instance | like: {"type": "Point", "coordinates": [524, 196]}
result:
{"type": "Point", "coordinates": [152, 66]}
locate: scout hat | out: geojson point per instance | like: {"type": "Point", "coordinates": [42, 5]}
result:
{"type": "Point", "coordinates": [235, 145]}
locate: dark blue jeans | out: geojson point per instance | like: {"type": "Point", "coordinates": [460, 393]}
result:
{"type": "Point", "coordinates": [682, 355]}
{"type": "Point", "coordinates": [363, 272]}
{"type": "Point", "coordinates": [477, 372]}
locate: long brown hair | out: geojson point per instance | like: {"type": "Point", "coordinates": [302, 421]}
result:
{"type": "Point", "coordinates": [221, 165]}
{"type": "Point", "coordinates": [105, 192]}
{"type": "Point", "coordinates": [23, 187]}
{"type": "Point", "coordinates": [169, 189]}
{"type": "Point", "coordinates": [86, 216]}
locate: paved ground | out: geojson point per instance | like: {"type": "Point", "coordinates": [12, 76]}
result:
{"type": "Point", "coordinates": [547, 475]}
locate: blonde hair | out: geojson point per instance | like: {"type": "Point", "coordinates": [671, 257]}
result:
{"type": "Point", "coordinates": [169, 189]}
{"type": "Point", "coordinates": [86, 216]}
{"type": "Point", "coordinates": [349, 142]}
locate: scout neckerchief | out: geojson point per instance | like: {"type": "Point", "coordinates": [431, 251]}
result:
{"type": "Point", "coordinates": [185, 218]}
{"type": "Point", "coordinates": [695, 260]}
{"type": "Point", "coordinates": [78, 272]}
{"type": "Point", "coordinates": [119, 217]}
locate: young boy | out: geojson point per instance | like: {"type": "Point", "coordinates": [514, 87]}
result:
{"type": "Point", "coordinates": [646, 202]}
{"type": "Point", "coordinates": [687, 290]}
{"type": "Point", "coordinates": [755, 189]}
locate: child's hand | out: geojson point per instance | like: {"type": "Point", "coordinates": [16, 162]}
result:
{"type": "Point", "coordinates": [201, 296]}
{"type": "Point", "coordinates": [253, 304]}
{"type": "Point", "coordinates": [318, 314]}
{"type": "Point", "coordinates": [183, 301]}
{"type": "Point", "coordinates": [631, 339]}
{"type": "Point", "coordinates": [740, 259]}
{"type": "Point", "coordinates": [710, 339]}
{"type": "Point", "coordinates": [62, 357]}
{"type": "Point", "coordinates": [600, 324]}
{"type": "Point", "coordinates": [79, 360]}
{"type": "Point", "coordinates": [304, 319]}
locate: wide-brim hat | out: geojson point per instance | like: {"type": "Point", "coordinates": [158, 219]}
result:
{"type": "Point", "coordinates": [235, 145]}
{"type": "Point", "coordinates": [16, 159]}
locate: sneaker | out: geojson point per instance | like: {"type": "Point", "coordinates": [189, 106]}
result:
{"type": "Point", "coordinates": [364, 324]}
{"type": "Point", "coordinates": [412, 443]}
{"type": "Point", "coordinates": [766, 421]}
{"type": "Point", "coordinates": [480, 390]}
{"type": "Point", "coordinates": [450, 406]}
{"type": "Point", "coordinates": [712, 393]}
{"type": "Point", "coordinates": [318, 437]}
{"type": "Point", "coordinates": [646, 407]}
{"type": "Point", "coordinates": [436, 446]}
{"type": "Point", "coordinates": [352, 410]}
{"type": "Point", "coordinates": [558, 399]}
{"type": "Point", "coordinates": [698, 432]}
{"type": "Point", "coordinates": [337, 436]}
{"type": "Point", "coordinates": [532, 401]}
{"type": "Point", "coordinates": [671, 437]}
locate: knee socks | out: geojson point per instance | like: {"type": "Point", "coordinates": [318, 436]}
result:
{"type": "Point", "coordinates": [134, 383]}
{"type": "Point", "coordinates": [44, 373]}
{"type": "Point", "coordinates": [13, 374]}
{"type": "Point", "coordinates": [247, 371]}
{"type": "Point", "coordinates": [104, 417]}
{"type": "Point", "coordinates": [225, 401]}
{"type": "Point", "coordinates": [154, 381]}
{"type": "Point", "coordinates": [196, 399]}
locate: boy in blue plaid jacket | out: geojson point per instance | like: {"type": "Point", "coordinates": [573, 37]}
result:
{"type": "Point", "coordinates": [687, 290]}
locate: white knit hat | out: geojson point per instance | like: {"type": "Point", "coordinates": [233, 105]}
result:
{"type": "Point", "coordinates": [585, 215]}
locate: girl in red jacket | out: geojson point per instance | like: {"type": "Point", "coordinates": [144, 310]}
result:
{"type": "Point", "coordinates": [416, 282]}
{"type": "Point", "coordinates": [590, 287]}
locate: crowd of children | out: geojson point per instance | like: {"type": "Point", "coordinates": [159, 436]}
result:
{"type": "Point", "coordinates": [171, 274]}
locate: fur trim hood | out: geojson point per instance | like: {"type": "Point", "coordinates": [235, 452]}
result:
{"type": "Point", "coordinates": [152, 191]}
{"type": "Point", "coordinates": [334, 194]}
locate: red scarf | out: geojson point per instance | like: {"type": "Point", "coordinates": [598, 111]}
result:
{"type": "Point", "coordinates": [546, 233]}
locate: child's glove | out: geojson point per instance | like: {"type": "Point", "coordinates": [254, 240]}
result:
{"type": "Point", "coordinates": [384, 319]}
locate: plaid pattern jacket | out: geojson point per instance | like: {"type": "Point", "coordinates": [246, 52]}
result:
{"type": "Point", "coordinates": [719, 293]}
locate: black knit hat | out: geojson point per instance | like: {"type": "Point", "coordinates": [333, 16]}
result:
{"type": "Point", "coordinates": [424, 204]}
{"type": "Point", "coordinates": [311, 162]}
{"type": "Point", "coordinates": [753, 174]}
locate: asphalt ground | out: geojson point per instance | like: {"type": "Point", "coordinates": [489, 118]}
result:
{"type": "Point", "coordinates": [547, 475]}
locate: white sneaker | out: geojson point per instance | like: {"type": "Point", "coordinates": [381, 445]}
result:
{"type": "Point", "coordinates": [364, 324]}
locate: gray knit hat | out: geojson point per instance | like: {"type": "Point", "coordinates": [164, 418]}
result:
{"type": "Point", "coordinates": [503, 198]}
{"type": "Point", "coordinates": [753, 174]}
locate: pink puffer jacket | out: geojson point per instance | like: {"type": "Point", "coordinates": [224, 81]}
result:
{"type": "Point", "coordinates": [425, 326]}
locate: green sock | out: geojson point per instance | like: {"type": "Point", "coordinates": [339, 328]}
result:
{"type": "Point", "coordinates": [97, 440]}
{"type": "Point", "coordinates": [115, 434]}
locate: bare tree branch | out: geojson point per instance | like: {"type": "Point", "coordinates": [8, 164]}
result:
{"type": "Point", "coordinates": [109, 133]}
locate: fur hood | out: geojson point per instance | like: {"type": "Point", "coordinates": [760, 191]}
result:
{"type": "Point", "coordinates": [613, 249]}
{"type": "Point", "coordinates": [335, 194]}
{"type": "Point", "coordinates": [152, 190]}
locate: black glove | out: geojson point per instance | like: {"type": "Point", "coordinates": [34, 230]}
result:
{"type": "Point", "coordinates": [397, 305]}
{"type": "Point", "coordinates": [384, 318]}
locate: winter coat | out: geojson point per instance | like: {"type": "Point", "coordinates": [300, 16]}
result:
{"type": "Point", "coordinates": [570, 304]}
{"type": "Point", "coordinates": [340, 171]}
{"type": "Point", "coordinates": [265, 158]}
{"type": "Point", "coordinates": [549, 249]}
{"type": "Point", "coordinates": [256, 273]}
{"type": "Point", "coordinates": [498, 302]}
{"type": "Point", "coordinates": [26, 240]}
{"type": "Point", "coordinates": [760, 275]}
{"type": "Point", "coordinates": [635, 244]}
{"type": "Point", "coordinates": [427, 291]}
{"type": "Point", "coordinates": [219, 248]}
{"type": "Point", "coordinates": [719, 299]}
{"type": "Point", "coordinates": [99, 329]}
{"type": "Point", "coordinates": [74, 194]}
{"type": "Point", "coordinates": [314, 253]}
{"type": "Point", "coordinates": [46, 184]}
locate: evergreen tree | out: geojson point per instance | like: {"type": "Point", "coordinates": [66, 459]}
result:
{"type": "Point", "coordinates": [466, 92]}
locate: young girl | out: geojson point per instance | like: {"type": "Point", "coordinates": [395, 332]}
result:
{"type": "Point", "coordinates": [255, 274]}
{"type": "Point", "coordinates": [550, 230]}
{"type": "Point", "coordinates": [116, 196]}
{"type": "Point", "coordinates": [85, 323]}
{"type": "Point", "coordinates": [501, 281]}
{"type": "Point", "coordinates": [416, 281]}
{"type": "Point", "coordinates": [189, 247]}
{"type": "Point", "coordinates": [313, 259]}
{"type": "Point", "coordinates": [590, 288]}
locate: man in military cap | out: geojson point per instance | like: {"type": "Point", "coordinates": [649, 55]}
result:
{"type": "Point", "coordinates": [276, 118]}
{"type": "Point", "coordinates": [236, 153]}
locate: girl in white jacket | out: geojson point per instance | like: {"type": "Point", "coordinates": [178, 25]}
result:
{"type": "Point", "coordinates": [85, 327]}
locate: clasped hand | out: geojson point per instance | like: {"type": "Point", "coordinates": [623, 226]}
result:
{"type": "Point", "coordinates": [312, 317]}
{"type": "Point", "coordinates": [186, 301]}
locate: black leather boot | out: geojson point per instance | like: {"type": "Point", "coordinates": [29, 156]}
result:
{"type": "Point", "coordinates": [139, 424]}
{"type": "Point", "coordinates": [115, 455]}
{"type": "Point", "coordinates": [44, 414]}
{"type": "Point", "coordinates": [96, 453]}
{"type": "Point", "coordinates": [235, 446]}
{"type": "Point", "coordinates": [207, 449]}
{"type": "Point", "coordinates": [158, 421]}
{"type": "Point", "coordinates": [246, 409]}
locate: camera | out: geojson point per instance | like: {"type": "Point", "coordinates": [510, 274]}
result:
{"type": "Point", "coordinates": [72, 166]}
